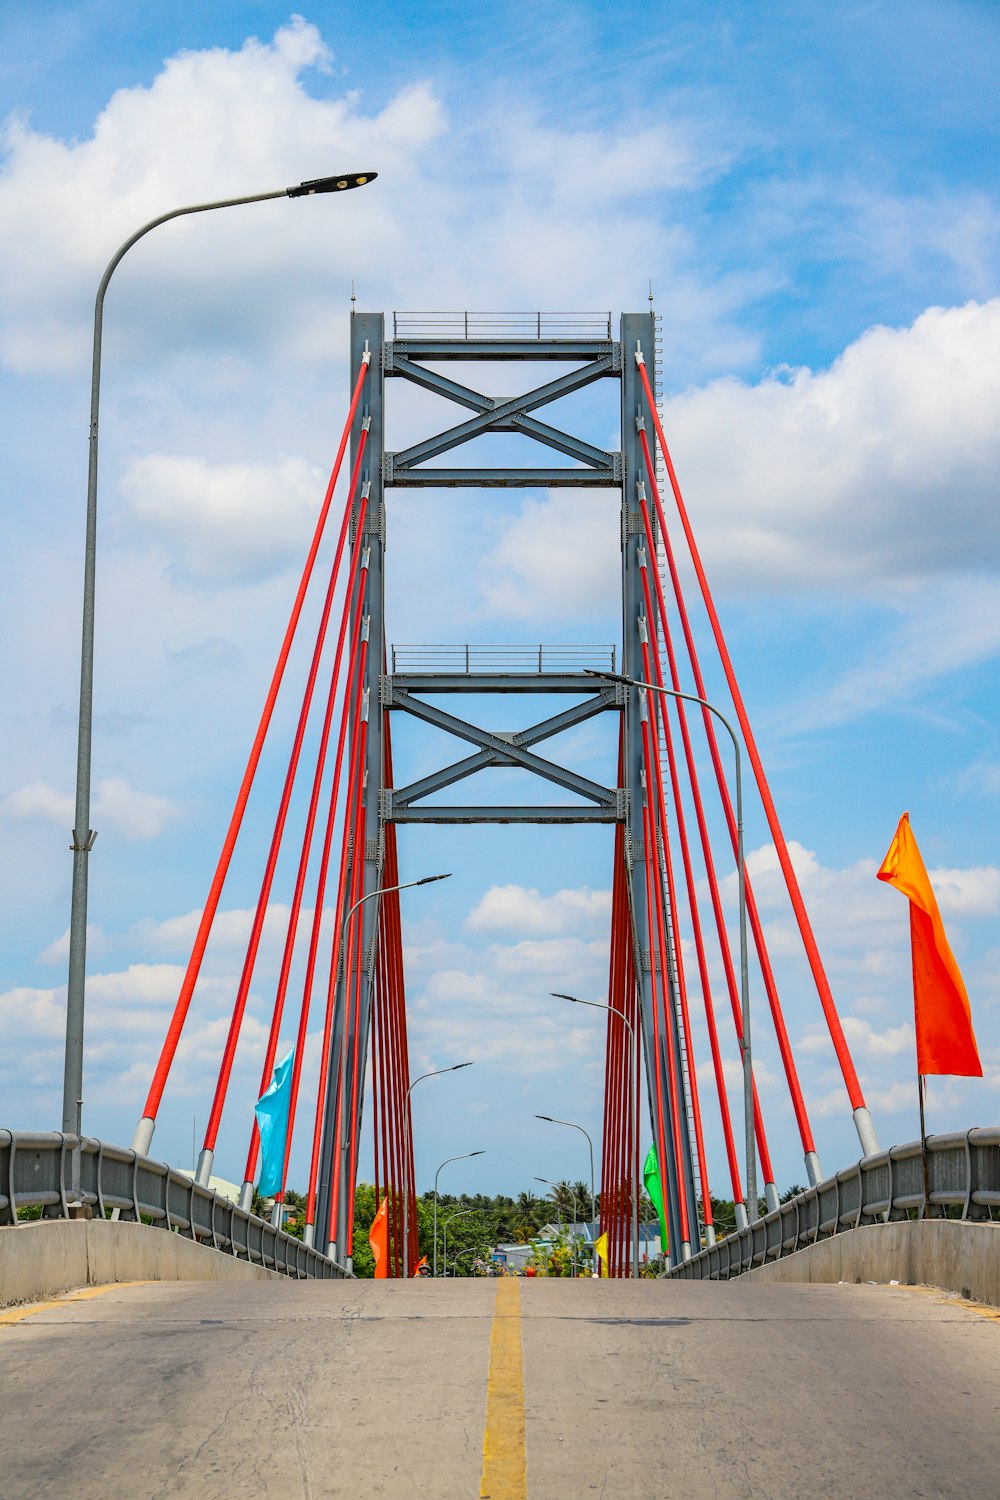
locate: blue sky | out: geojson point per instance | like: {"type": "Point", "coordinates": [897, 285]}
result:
{"type": "Point", "coordinates": [814, 197]}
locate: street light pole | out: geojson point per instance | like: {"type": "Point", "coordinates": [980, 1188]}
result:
{"type": "Point", "coordinates": [573, 1126]}
{"type": "Point", "coordinates": [408, 1137]}
{"type": "Point", "coordinates": [83, 834]}
{"type": "Point", "coordinates": [463, 1157]}
{"type": "Point", "coordinates": [597, 1005]}
{"type": "Point", "coordinates": [748, 1119]}
{"type": "Point", "coordinates": [469, 1250]}
{"type": "Point", "coordinates": [385, 890]}
{"type": "Point", "coordinates": [463, 1213]}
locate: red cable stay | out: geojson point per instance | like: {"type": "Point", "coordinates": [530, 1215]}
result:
{"type": "Point", "coordinates": [146, 1126]}
{"type": "Point", "coordinates": [862, 1118]}
{"type": "Point", "coordinates": [652, 997]}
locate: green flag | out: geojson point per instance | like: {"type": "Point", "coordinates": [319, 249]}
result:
{"type": "Point", "coordinates": [654, 1188]}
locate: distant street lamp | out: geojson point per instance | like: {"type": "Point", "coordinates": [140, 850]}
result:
{"type": "Point", "coordinates": [469, 1250]}
{"type": "Point", "coordinates": [463, 1213]}
{"type": "Point", "coordinates": [408, 1137]}
{"type": "Point", "coordinates": [553, 1121]}
{"type": "Point", "coordinates": [83, 834]}
{"type": "Point", "coordinates": [464, 1157]}
{"type": "Point", "coordinates": [752, 1208]}
{"type": "Point", "coordinates": [615, 1010]}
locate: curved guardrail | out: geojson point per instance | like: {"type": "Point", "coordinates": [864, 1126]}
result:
{"type": "Point", "coordinates": [69, 1175]}
{"type": "Point", "coordinates": [962, 1170]}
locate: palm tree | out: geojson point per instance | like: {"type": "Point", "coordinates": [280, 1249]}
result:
{"type": "Point", "coordinates": [564, 1200]}
{"type": "Point", "coordinates": [525, 1216]}
{"type": "Point", "coordinates": [582, 1191]}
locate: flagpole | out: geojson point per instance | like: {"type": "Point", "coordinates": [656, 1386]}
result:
{"type": "Point", "coordinates": [921, 1089]}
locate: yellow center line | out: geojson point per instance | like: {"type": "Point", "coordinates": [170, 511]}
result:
{"type": "Point", "coordinates": [18, 1314]}
{"type": "Point", "coordinates": [504, 1474]}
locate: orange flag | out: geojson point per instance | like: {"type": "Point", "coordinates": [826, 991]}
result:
{"type": "Point", "coordinates": [378, 1238]}
{"type": "Point", "coordinates": [945, 1039]}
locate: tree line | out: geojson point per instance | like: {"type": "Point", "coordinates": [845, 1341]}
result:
{"type": "Point", "coordinates": [477, 1221]}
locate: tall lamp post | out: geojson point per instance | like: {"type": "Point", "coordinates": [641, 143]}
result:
{"type": "Point", "coordinates": [573, 1126]}
{"type": "Point", "coordinates": [83, 834]}
{"type": "Point", "coordinates": [464, 1157]}
{"type": "Point", "coordinates": [751, 1145]}
{"type": "Point", "coordinates": [598, 1005]}
{"type": "Point", "coordinates": [434, 1073]}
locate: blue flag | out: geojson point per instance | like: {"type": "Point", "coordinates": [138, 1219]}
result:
{"type": "Point", "coordinates": [271, 1110]}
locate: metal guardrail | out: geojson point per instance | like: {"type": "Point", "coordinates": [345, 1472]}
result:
{"type": "Point", "coordinates": [490, 324]}
{"type": "Point", "coordinates": [962, 1170]}
{"type": "Point", "coordinates": [469, 658]}
{"type": "Point", "coordinates": [38, 1168]}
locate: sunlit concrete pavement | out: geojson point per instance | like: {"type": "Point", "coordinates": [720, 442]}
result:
{"type": "Point", "coordinates": [379, 1389]}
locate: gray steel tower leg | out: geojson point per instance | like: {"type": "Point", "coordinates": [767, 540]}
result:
{"type": "Point", "coordinates": [639, 328]}
{"type": "Point", "coordinates": [345, 1084]}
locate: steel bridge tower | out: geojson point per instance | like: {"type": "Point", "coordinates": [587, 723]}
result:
{"type": "Point", "coordinates": [593, 354]}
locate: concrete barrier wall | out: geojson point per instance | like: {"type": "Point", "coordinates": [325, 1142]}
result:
{"type": "Point", "coordinates": [958, 1256]}
{"type": "Point", "coordinates": [41, 1259]}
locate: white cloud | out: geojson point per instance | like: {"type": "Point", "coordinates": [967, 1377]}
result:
{"type": "Point", "coordinates": [522, 909]}
{"type": "Point", "coordinates": [967, 893]}
{"type": "Point", "coordinates": [224, 523]}
{"type": "Point", "coordinates": [840, 476]}
{"type": "Point", "coordinates": [58, 952]}
{"type": "Point", "coordinates": [863, 1039]}
{"type": "Point", "coordinates": [37, 800]}
{"type": "Point", "coordinates": [213, 124]}
{"type": "Point", "coordinates": [928, 633]}
{"type": "Point", "coordinates": [116, 806]}
{"type": "Point", "coordinates": [560, 558]}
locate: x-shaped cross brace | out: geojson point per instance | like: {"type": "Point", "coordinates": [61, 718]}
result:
{"type": "Point", "coordinates": [504, 750]}
{"type": "Point", "coordinates": [507, 415]}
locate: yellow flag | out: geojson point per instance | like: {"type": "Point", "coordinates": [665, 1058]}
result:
{"type": "Point", "coordinates": [601, 1250]}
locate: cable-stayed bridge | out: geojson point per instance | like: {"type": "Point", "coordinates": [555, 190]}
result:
{"type": "Point", "coordinates": [676, 782]}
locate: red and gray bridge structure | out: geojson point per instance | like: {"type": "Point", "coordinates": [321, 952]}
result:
{"type": "Point", "coordinates": [663, 815]}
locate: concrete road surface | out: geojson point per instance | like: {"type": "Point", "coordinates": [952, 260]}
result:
{"type": "Point", "coordinates": [585, 1388]}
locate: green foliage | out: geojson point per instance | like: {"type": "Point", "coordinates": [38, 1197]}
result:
{"type": "Point", "coordinates": [363, 1260]}
{"type": "Point", "coordinates": [30, 1212]}
{"type": "Point", "coordinates": [555, 1256]}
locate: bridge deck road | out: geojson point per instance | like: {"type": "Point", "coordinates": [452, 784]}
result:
{"type": "Point", "coordinates": [361, 1389]}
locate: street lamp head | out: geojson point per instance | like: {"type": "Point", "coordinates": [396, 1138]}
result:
{"type": "Point", "coordinates": [455, 1067]}
{"type": "Point", "coordinates": [341, 184]}
{"type": "Point", "coordinates": [545, 1117]}
{"type": "Point", "coordinates": [427, 879]}
{"type": "Point", "coordinates": [608, 676]}
{"type": "Point", "coordinates": [557, 996]}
